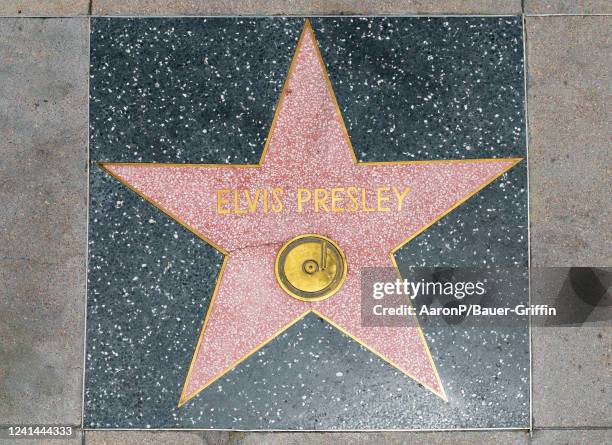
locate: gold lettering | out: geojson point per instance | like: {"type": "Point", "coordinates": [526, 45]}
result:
{"type": "Point", "coordinates": [380, 199]}
{"type": "Point", "coordinates": [400, 196]}
{"type": "Point", "coordinates": [222, 201]}
{"type": "Point", "coordinates": [237, 208]}
{"type": "Point", "coordinates": [265, 200]}
{"type": "Point", "coordinates": [335, 199]}
{"type": "Point", "coordinates": [364, 204]}
{"type": "Point", "coordinates": [277, 206]}
{"type": "Point", "coordinates": [252, 203]}
{"type": "Point", "coordinates": [303, 195]}
{"type": "Point", "coordinates": [320, 199]}
{"type": "Point", "coordinates": [352, 195]}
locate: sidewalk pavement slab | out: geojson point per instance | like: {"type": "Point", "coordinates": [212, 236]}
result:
{"type": "Point", "coordinates": [557, 437]}
{"type": "Point", "coordinates": [303, 7]}
{"type": "Point", "coordinates": [568, 7]}
{"type": "Point", "coordinates": [569, 147]}
{"type": "Point", "coordinates": [570, 158]}
{"type": "Point", "coordinates": [244, 438]}
{"type": "Point", "coordinates": [44, 8]}
{"type": "Point", "coordinates": [157, 437]}
{"type": "Point", "coordinates": [43, 190]}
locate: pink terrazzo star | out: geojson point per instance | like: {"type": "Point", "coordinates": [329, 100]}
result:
{"type": "Point", "coordinates": [307, 148]}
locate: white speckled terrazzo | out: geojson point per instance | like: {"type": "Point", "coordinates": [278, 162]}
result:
{"type": "Point", "coordinates": [171, 91]}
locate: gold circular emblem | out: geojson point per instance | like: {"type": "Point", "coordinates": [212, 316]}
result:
{"type": "Point", "coordinates": [310, 267]}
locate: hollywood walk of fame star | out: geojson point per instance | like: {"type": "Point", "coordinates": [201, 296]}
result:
{"type": "Point", "coordinates": [249, 212]}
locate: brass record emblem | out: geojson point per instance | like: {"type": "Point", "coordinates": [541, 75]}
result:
{"type": "Point", "coordinates": [310, 267]}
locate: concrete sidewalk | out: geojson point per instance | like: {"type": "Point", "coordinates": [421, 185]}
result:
{"type": "Point", "coordinates": [43, 188]}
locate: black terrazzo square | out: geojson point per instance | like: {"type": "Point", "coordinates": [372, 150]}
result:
{"type": "Point", "coordinates": [205, 91]}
